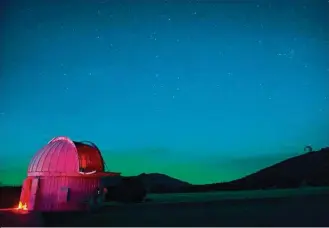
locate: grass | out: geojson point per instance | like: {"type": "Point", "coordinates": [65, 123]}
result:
{"type": "Point", "coordinates": [302, 210]}
{"type": "Point", "coordinates": [279, 207]}
{"type": "Point", "coordinates": [226, 195]}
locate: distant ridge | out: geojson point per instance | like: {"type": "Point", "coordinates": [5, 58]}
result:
{"type": "Point", "coordinates": [161, 183]}
{"type": "Point", "coordinates": [310, 169]}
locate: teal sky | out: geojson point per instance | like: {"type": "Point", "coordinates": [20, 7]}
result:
{"type": "Point", "coordinates": [204, 91]}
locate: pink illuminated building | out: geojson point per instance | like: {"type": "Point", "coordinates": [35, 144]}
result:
{"type": "Point", "coordinates": [63, 175]}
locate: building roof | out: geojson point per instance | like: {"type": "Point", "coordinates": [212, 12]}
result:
{"type": "Point", "coordinates": [62, 156]}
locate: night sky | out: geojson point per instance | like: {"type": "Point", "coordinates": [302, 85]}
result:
{"type": "Point", "coordinates": [205, 91]}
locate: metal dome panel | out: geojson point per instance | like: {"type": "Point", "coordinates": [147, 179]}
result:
{"type": "Point", "coordinates": [58, 156]}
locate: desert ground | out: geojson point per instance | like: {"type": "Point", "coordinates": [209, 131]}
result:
{"type": "Point", "coordinates": [291, 207]}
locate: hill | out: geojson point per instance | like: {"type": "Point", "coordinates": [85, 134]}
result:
{"type": "Point", "coordinates": [161, 183]}
{"type": "Point", "coordinates": [310, 169]}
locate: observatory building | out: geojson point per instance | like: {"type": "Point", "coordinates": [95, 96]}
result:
{"type": "Point", "coordinates": [63, 175]}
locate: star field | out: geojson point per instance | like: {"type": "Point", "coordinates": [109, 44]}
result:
{"type": "Point", "coordinates": [186, 88]}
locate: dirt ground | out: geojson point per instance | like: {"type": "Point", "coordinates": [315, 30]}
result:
{"type": "Point", "coordinates": [288, 211]}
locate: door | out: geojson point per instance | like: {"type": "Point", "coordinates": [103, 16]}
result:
{"type": "Point", "coordinates": [33, 193]}
{"type": "Point", "coordinates": [26, 189]}
{"type": "Point", "coordinates": [64, 195]}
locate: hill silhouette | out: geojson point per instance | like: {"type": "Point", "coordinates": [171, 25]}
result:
{"type": "Point", "coordinates": [310, 169]}
{"type": "Point", "coordinates": [161, 183]}
{"type": "Point", "coordinates": [135, 188]}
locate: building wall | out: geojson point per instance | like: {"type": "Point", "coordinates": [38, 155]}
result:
{"type": "Point", "coordinates": [64, 193]}
{"type": "Point", "coordinates": [25, 192]}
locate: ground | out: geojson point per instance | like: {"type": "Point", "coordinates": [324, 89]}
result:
{"type": "Point", "coordinates": [300, 207]}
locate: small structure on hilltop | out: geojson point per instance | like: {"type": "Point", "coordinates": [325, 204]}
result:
{"type": "Point", "coordinates": [64, 175]}
{"type": "Point", "coordinates": [308, 149]}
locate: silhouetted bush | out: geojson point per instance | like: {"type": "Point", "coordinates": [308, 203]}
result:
{"type": "Point", "coordinates": [9, 196]}
{"type": "Point", "coordinates": [130, 189]}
